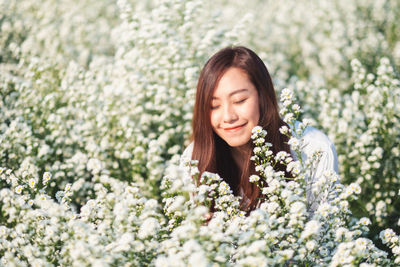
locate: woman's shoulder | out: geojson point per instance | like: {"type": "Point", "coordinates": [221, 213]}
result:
{"type": "Point", "coordinates": [312, 137]}
{"type": "Point", "coordinates": [315, 140]}
{"type": "Point", "coordinates": [317, 137]}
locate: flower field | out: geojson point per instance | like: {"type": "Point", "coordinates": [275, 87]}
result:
{"type": "Point", "coordinates": [95, 111]}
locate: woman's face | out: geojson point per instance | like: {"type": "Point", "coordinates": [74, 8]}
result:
{"type": "Point", "coordinates": [234, 108]}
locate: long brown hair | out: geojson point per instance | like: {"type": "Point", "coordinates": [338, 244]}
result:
{"type": "Point", "coordinates": [212, 152]}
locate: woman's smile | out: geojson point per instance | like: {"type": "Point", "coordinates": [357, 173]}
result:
{"type": "Point", "coordinates": [234, 128]}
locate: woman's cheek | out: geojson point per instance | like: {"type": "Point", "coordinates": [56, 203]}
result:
{"type": "Point", "coordinates": [254, 111]}
{"type": "Point", "coordinates": [214, 118]}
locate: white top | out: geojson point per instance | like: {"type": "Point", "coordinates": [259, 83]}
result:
{"type": "Point", "coordinates": [313, 140]}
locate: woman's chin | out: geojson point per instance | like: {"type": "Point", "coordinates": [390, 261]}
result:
{"type": "Point", "coordinates": [237, 143]}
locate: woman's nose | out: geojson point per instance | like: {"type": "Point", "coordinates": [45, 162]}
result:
{"type": "Point", "coordinates": [229, 115]}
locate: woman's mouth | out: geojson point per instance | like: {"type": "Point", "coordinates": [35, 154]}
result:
{"type": "Point", "coordinates": [234, 128]}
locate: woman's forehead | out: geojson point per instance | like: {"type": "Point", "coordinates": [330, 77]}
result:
{"type": "Point", "coordinates": [233, 81]}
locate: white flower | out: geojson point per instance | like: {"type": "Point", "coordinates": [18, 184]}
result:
{"type": "Point", "coordinates": [361, 243]}
{"type": "Point", "coordinates": [254, 178]}
{"type": "Point", "coordinates": [256, 247]}
{"type": "Point", "coordinates": [386, 235]}
{"type": "Point", "coordinates": [257, 150]}
{"type": "Point", "coordinates": [298, 208]}
{"type": "Point", "coordinates": [355, 188]}
{"type": "Point", "coordinates": [46, 177]}
{"type": "Point", "coordinates": [223, 188]}
{"type": "Point", "coordinates": [307, 122]}
{"type": "Point", "coordinates": [365, 221]}
{"type": "Point", "coordinates": [273, 185]}
{"type": "Point", "coordinates": [259, 168]}
{"type": "Point", "coordinates": [286, 94]}
{"type": "Point", "coordinates": [3, 230]}
{"type": "Point", "coordinates": [294, 143]}
{"type": "Point", "coordinates": [296, 107]}
{"type": "Point", "coordinates": [149, 227]}
{"type": "Point", "coordinates": [289, 118]}
{"type": "Point", "coordinates": [284, 129]}
{"type": "Point", "coordinates": [271, 207]}
{"type": "Point", "coordinates": [67, 187]}
{"type": "Point", "coordinates": [18, 189]}
{"type": "Point", "coordinates": [310, 245]}
{"type": "Point", "coordinates": [259, 141]}
{"type": "Point", "coordinates": [25, 174]}
{"type": "Point", "coordinates": [266, 190]}
{"type": "Point", "coordinates": [257, 130]}
{"type": "Point", "coordinates": [287, 253]}
{"type": "Point", "coordinates": [32, 182]}
{"type": "Point", "coordinates": [294, 167]}
{"type": "Point", "coordinates": [396, 250]}
{"type": "Point", "coordinates": [198, 258]}
{"type": "Point", "coordinates": [94, 165]}
{"type": "Point", "coordinates": [312, 227]}
{"type": "Point", "coordinates": [281, 155]}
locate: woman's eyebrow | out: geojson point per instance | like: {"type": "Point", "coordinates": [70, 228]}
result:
{"type": "Point", "coordinates": [234, 92]}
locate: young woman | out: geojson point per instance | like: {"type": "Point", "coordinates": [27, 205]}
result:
{"type": "Point", "coordinates": [234, 94]}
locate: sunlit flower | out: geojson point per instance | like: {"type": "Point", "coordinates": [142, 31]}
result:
{"type": "Point", "coordinates": [32, 182]}
{"type": "Point", "coordinates": [46, 177]}
{"type": "Point", "coordinates": [365, 221]}
{"type": "Point", "coordinates": [312, 227]}
{"type": "Point", "coordinates": [254, 178]}
{"type": "Point", "coordinates": [18, 189]}
{"type": "Point", "coordinates": [257, 130]}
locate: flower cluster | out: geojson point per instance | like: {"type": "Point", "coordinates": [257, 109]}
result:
{"type": "Point", "coordinates": [119, 226]}
{"type": "Point", "coordinates": [392, 240]}
{"type": "Point", "coordinates": [364, 135]}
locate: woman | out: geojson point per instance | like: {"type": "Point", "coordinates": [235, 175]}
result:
{"type": "Point", "coordinates": [234, 94]}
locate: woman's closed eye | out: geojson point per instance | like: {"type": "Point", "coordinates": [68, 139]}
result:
{"type": "Point", "coordinates": [214, 107]}
{"type": "Point", "coordinates": [241, 101]}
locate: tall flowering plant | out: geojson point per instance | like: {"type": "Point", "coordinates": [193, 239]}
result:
{"type": "Point", "coordinates": [194, 235]}
{"type": "Point", "coordinates": [365, 125]}
{"type": "Point", "coordinates": [392, 240]}
{"type": "Point", "coordinates": [289, 226]}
